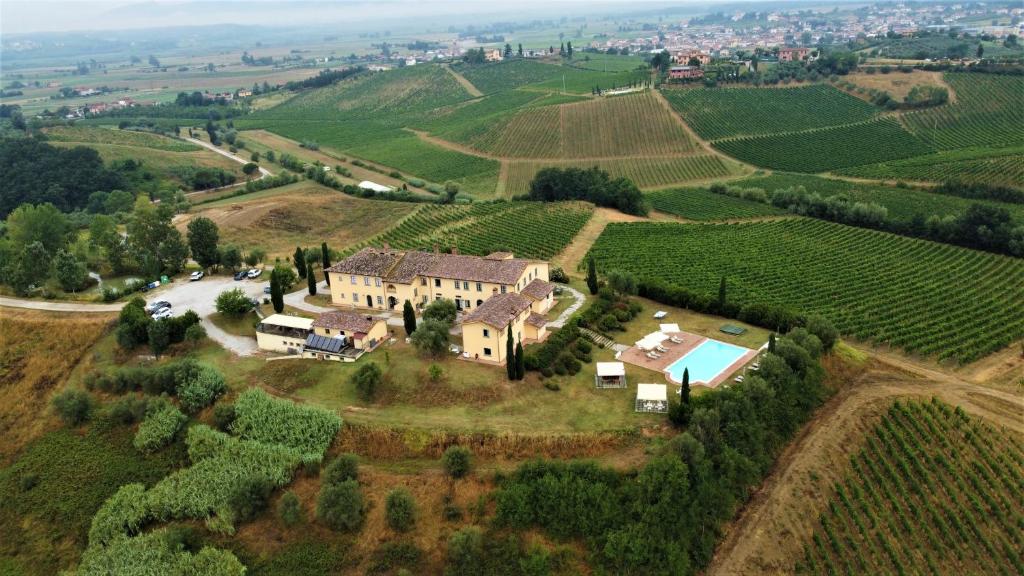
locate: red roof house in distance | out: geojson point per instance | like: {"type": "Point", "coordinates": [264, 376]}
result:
{"type": "Point", "coordinates": [685, 72]}
{"type": "Point", "coordinates": [793, 54]}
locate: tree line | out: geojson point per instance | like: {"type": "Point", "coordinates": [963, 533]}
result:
{"type": "Point", "coordinates": [590, 184]}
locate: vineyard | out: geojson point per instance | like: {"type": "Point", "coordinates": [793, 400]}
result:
{"type": "Point", "coordinates": [528, 229]}
{"type": "Point", "coordinates": [932, 491]}
{"type": "Point", "coordinates": [928, 298]}
{"type": "Point", "coordinates": [644, 172]}
{"type": "Point", "coordinates": [989, 111]}
{"type": "Point", "coordinates": [1000, 167]}
{"type": "Point", "coordinates": [726, 112]}
{"type": "Point", "coordinates": [96, 135]}
{"type": "Point", "coordinates": [701, 204]}
{"type": "Point", "coordinates": [902, 203]}
{"type": "Point", "coordinates": [499, 76]}
{"type": "Point", "coordinates": [829, 148]}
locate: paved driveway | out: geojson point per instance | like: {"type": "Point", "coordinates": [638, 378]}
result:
{"type": "Point", "coordinates": [201, 297]}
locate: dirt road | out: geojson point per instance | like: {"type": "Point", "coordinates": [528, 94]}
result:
{"type": "Point", "coordinates": [770, 532]}
{"type": "Point", "coordinates": [263, 171]}
{"type": "Point", "coordinates": [58, 306]}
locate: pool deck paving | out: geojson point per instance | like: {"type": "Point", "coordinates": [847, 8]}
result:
{"type": "Point", "coordinates": [637, 357]}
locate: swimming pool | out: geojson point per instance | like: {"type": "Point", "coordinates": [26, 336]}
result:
{"type": "Point", "coordinates": [706, 361]}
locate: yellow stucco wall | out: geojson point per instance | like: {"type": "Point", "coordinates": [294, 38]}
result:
{"type": "Point", "coordinates": [378, 332]}
{"type": "Point", "coordinates": [275, 343]}
{"type": "Point", "coordinates": [475, 341]}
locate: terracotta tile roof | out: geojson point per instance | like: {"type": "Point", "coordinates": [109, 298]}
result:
{"type": "Point", "coordinates": [476, 269]}
{"type": "Point", "coordinates": [538, 289]}
{"type": "Point", "coordinates": [498, 256]}
{"type": "Point", "coordinates": [345, 320]}
{"type": "Point", "coordinates": [403, 267]}
{"type": "Point", "coordinates": [498, 310]}
{"type": "Point", "coordinates": [368, 262]}
{"type": "Point", "coordinates": [537, 320]}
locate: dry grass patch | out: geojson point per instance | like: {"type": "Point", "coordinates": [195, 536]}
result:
{"type": "Point", "coordinates": [38, 351]}
{"type": "Point", "coordinates": [899, 84]}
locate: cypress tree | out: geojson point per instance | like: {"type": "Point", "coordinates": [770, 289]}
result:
{"type": "Point", "coordinates": [520, 361]}
{"type": "Point", "coordinates": [771, 342]}
{"type": "Point", "coordinates": [326, 260]}
{"type": "Point", "coordinates": [685, 395]}
{"type": "Point", "coordinates": [311, 279]}
{"type": "Point", "coordinates": [510, 355]}
{"type": "Point", "coordinates": [592, 275]}
{"type": "Point", "coordinates": [299, 259]}
{"type": "Point", "coordinates": [721, 293]}
{"type": "Point", "coordinates": [409, 318]}
{"type": "Point", "coordinates": [276, 293]}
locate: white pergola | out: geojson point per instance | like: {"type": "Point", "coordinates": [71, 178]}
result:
{"type": "Point", "coordinates": [651, 341]}
{"type": "Point", "coordinates": [652, 398]}
{"type": "Point", "coordinates": [610, 375]}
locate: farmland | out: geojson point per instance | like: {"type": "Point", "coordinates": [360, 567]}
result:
{"type": "Point", "coordinates": [989, 111]}
{"type": "Point", "coordinates": [498, 76]}
{"type": "Point", "coordinates": [644, 172]}
{"type": "Point", "coordinates": [828, 148]}
{"type": "Point", "coordinates": [932, 490]}
{"type": "Point", "coordinates": [701, 204]}
{"type": "Point", "coordinates": [903, 204]}
{"type": "Point", "coordinates": [94, 135]}
{"type": "Point", "coordinates": [529, 229]}
{"type": "Point", "coordinates": [873, 285]}
{"type": "Point", "coordinates": [716, 113]}
{"type": "Point", "coordinates": [996, 166]}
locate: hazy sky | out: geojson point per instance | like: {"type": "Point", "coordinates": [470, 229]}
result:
{"type": "Point", "coordinates": [18, 16]}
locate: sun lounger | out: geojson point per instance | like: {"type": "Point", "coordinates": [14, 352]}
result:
{"type": "Point", "coordinates": [676, 340]}
{"type": "Point", "coordinates": [661, 349]}
{"type": "Point", "coordinates": [738, 379]}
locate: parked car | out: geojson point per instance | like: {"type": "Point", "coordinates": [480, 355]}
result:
{"type": "Point", "coordinates": [240, 275]}
{"type": "Point", "coordinates": [266, 289]}
{"type": "Point", "coordinates": [153, 307]}
{"type": "Point", "coordinates": [162, 313]}
{"type": "Point", "coordinates": [255, 273]}
{"type": "Point", "coordinates": [197, 275]}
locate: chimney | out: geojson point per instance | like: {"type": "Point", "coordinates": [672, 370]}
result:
{"type": "Point", "coordinates": [437, 249]}
{"type": "Point", "coordinates": [455, 250]}
{"type": "Point", "coordinates": [387, 247]}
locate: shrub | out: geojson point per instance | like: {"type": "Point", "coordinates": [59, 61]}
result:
{"type": "Point", "coordinates": [223, 416]}
{"type": "Point", "coordinates": [431, 338]}
{"type": "Point", "coordinates": [201, 389]}
{"type": "Point", "coordinates": [233, 302]}
{"type": "Point", "coordinates": [162, 423]}
{"type": "Point", "coordinates": [250, 497]}
{"type": "Point", "coordinates": [73, 406]}
{"type": "Point", "coordinates": [128, 410]}
{"type": "Point", "coordinates": [465, 552]}
{"type": "Point", "coordinates": [457, 461]}
{"type": "Point", "coordinates": [289, 509]}
{"type": "Point", "coordinates": [307, 429]}
{"type": "Point", "coordinates": [344, 467]}
{"type": "Point", "coordinates": [340, 506]}
{"type": "Point", "coordinates": [28, 482]}
{"type": "Point", "coordinates": [553, 386]}
{"type": "Point", "coordinates": [367, 380]}
{"type": "Point", "coordinates": [400, 510]}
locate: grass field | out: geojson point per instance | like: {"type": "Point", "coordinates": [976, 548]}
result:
{"type": "Point", "coordinates": [644, 172]}
{"type": "Point", "coordinates": [101, 135]}
{"type": "Point", "coordinates": [873, 285]}
{"type": "Point", "coordinates": [300, 214]}
{"type": "Point", "coordinates": [528, 229]}
{"type": "Point", "coordinates": [932, 491]}
{"type": "Point", "coordinates": [902, 203]}
{"type": "Point", "coordinates": [702, 204]}
{"type": "Point", "coordinates": [828, 148]}
{"type": "Point", "coordinates": [897, 84]}
{"type": "Point", "coordinates": [989, 111]}
{"type": "Point", "coordinates": [716, 113]}
{"type": "Point", "coordinates": [499, 76]}
{"type": "Point", "coordinates": [997, 166]}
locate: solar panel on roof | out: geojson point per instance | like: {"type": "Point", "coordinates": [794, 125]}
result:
{"type": "Point", "coordinates": [324, 343]}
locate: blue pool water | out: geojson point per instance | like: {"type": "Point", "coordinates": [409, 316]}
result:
{"type": "Point", "coordinates": [706, 361]}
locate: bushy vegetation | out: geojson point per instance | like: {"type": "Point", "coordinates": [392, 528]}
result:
{"type": "Point", "coordinates": [162, 423]}
{"type": "Point", "coordinates": [73, 406]}
{"type": "Point", "coordinates": [306, 429]}
{"type": "Point", "coordinates": [457, 461]}
{"type": "Point", "coordinates": [196, 385]}
{"type": "Point", "coordinates": [157, 552]}
{"type": "Point", "coordinates": [400, 510]}
{"type": "Point", "coordinates": [644, 172]}
{"type": "Point", "coordinates": [594, 185]}
{"type": "Point", "coordinates": [836, 276]}
{"type": "Point", "coordinates": [930, 488]}
{"type": "Point", "coordinates": [666, 518]}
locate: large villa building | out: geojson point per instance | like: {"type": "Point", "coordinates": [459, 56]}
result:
{"type": "Point", "coordinates": [383, 279]}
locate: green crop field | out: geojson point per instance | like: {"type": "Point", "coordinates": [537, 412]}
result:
{"type": "Point", "coordinates": [997, 166]}
{"type": "Point", "coordinates": [644, 172]}
{"type": "Point", "coordinates": [702, 204]}
{"type": "Point", "coordinates": [828, 148]}
{"type": "Point", "coordinates": [925, 297]}
{"type": "Point", "coordinates": [725, 112]}
{"type": "Point", "coordinates": [607, 62]}
{"type": "Point", "coordinates": [902, 203]}
{"type": "Point", "coordinates": [932, 491]}
{"type": "Point", "coordinates": [98, 135]}
{"type": "Point", "coordinates": [989, 111]}
{"type": "Point", "coordinates": [528, 229]}
{"type": "Point", "coordinates": [434, 163]}
{"type": "Point", "coordinates": [498, 76]}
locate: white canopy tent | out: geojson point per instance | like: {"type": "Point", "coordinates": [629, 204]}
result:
{"type": "Point", "coordinates": [651, 341]}
{"type": "Point", "coordinates": [652, 398]}
{"type": "Point", "coordinates": [373, 186]}
{"type": "Point", "coordinates": [610, 375]}
{"type": "Point", "coordinates": [669, 328]}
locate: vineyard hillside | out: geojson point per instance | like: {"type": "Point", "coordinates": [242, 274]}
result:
{"type": "Point", "coordinates": [996, 166]}
{"type": "Point", "coordinates": [716, 113]}
{"type": "Point", "coordinates": [875, 286]}
{"type": "Point", "coordinates": [702, 204]}
{"type": "Point", "coordinates": [989, 111]}
{"type": "Point", "coordinates": [933, 491]}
